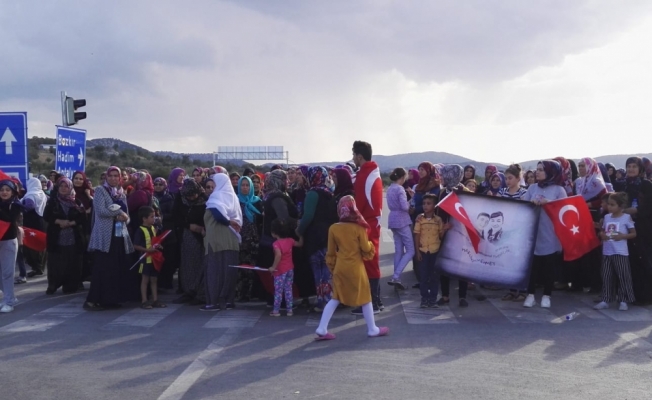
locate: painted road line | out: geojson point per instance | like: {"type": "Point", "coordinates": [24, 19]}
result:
{"type": "Point", "coordinates": [424, 316]}
{"type": "Point", "coordinates": [234, 319]}
{"type": "Point", "coordinates": [184, 382]}
{"type": "Point", "coordinates": [140, 318]}
{"type": "Point", "coordinates": [341, 316]}
{"type": "Point", "coordinates": [634, 314]}
{"type": "Point", "coordinates": [48, 318]}
{"type": "Point", "coordinates": [517, 314]}
{"type": "Point", "coordinates": [387, 235]}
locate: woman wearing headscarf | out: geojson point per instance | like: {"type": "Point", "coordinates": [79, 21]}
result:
{"type": "Point", "coordinates": [175, 180]}
{"type": "Point", "coordinates": [314, 228]}
{"type": "Point", "coordinates": [530, 178]}
{"type": "Point", "coordinates": [566, 174]}
{"type": "Point", "coordinates": [276, 204]}
{"type": "Point", "coordinates": [451, 176]}
{"type": "Point", "coordinates": [611, 187]}
{"type": "Point", "coordinates": [348, 246]}
{"type": "Point", "coordinates": [300, 188]}
{"type": "Point", "coordinates": [611, 172]}
{"type": "Point", "coordinates": [223, 220]}
{"type": "Point", "coordinates": [428, 183]}
{"type": "Point", "coordinates": [497, 182]}
{"type": "Point", "coordinates": [46, 184]}
{"type": "Point", "coordinates": [34, 203]}
{"type": "Point", "coordinates": [639, 193]}
{"type": "Point", "coordinates": [489, 171]}
{"type": "Point", "coordinates": [547, 249]}
{"type": "Point", "coordinates": [10, 210]}
{"type": "Point", "coordinates": [469, 173]}
{"type": "Point", "coordinates": [343, 187]}
{"type": "Point", "coordinates": [66, 217]}
{"type": "Point", "coordinates": [171, 245]}
{"type": "Point", "coordinates": [647, 164]}
{"type": "Point", "coordinates": [198, 175]}
{"type": "Point", "coordinates": [257, 180]}
{"type": "Point", "coordinates": [112, 282]}
{"type": "Point", "coordinates": [591, 186]}
{"type": "Point", "coordinates": [141, 196]}
{"type": "Point", "coordinates": [252, 210]}
{"type": "Point", "coordinates": [188, 212]}
{"type": "Point", "coordinates": [410, 183]}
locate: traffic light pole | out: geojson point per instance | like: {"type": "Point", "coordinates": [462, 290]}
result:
{"type": "Point", "coordinates": [63, 108]}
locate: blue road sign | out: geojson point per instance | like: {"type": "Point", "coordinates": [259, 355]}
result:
{"type": "Point", "coordinates": [71, 151]}
{"type": "Point", "coordinates": [13, 144]}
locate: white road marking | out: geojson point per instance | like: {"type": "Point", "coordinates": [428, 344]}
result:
{"type": "Point", "coordinates": [634, 314]}
{"type": "Point", "coordinates": [48, 318]}
{"type": "Point", "coordinates": [184, 382]}
{"type": "Point", "coordinates": [234, 319]}
{"type": "Point", "coordinates": [141, 318]}
{"type": "Point", "coordinates": [517, 314]}
{"type": "Point", "coordinates": [423, 316]}
{"type": "Point", "coordinates": [387, 235]}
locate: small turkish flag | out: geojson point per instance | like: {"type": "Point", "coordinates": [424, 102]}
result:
{"type": "Point", "coordinates": [34, 239]}
{"type": "Point", "coordinates": [451, 204]}
{"type": "Point", "coordinates": [573, 225]}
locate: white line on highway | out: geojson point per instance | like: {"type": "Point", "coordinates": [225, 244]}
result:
{"type": "Point", "coordinates": [184, 382]}
{"type": "Point", "coordinates": [141, 318]}
{"type": "Point", "coordinates": [48, 318]}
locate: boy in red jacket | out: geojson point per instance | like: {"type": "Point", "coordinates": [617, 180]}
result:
{"type": "Point", "coordinates": [368, 188]}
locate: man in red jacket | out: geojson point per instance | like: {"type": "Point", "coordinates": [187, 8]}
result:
{"type": "Point", "coordinates": [368, 188]}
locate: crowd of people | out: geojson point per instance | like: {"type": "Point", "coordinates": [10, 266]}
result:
{"type": "Point", "coordinates": [311, 232]}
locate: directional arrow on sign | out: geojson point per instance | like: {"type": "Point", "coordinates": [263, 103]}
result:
{"type": "Point", "coordinates": [80, 157]}
{"type": "Point", "coordinates": [8, 138]}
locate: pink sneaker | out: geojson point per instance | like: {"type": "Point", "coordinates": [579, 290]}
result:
{"type": "Point", "coordinates": [384, 331]}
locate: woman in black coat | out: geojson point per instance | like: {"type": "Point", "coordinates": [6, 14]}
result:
{"type": "Point", "coordinates": [65, 217]}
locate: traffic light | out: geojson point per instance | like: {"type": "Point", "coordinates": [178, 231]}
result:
{"type": "Point", "coordinates": [71, 117]}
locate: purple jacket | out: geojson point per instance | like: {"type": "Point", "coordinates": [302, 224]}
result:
{"type": "Point", "coordinates": [398, 207]}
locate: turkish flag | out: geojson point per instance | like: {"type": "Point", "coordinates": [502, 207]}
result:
{"type": "Point", "coordinates": [34, 239]}
{"type": "Point", "coordinates": [157, 258]}
{"type": "Point", "coordinates": [451, 204]}
{"type": "Point", "coordinates": [573, 225]}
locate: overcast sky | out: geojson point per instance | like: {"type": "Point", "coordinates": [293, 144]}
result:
{"type": "Point", "coordinates": [490, 80]}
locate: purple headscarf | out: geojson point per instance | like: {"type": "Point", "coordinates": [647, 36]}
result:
{"type": "Point", "coordinates": [173, 185]}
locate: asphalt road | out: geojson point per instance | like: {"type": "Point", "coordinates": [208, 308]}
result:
{"type": "Point", "coordinates": [51, 348]}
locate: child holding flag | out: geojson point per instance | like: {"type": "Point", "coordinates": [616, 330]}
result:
{"type": "Point", "coordinates": [143, 243]}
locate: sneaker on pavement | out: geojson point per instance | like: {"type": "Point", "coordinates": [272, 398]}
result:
{"type": "Point", "coordinates": [424, 303]}
{"type": "Point", "coordinates": [545, 301]}
{"type": "Point", "coordinates": [529, 301]}
{"type": "Point", "coordinates": [6, 308]}
{"type": "Point", "coordinates": [623, 306]}
{"type": "Point", "coordinates": [432, 303]}
{"type": "Point", "coordinates": [397, 284]}
{"type": "Point", "coordinates": [357, 311]}
{"type": "Point", "coordinates": [601, 306]}
{"type": "Point", "coordinates": [464, 303]}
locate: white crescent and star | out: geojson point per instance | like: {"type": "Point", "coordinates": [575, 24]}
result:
{"type": "Point", "coordinates": [566, 208]}
{"type": "Point", "coordinates": [459, 205]}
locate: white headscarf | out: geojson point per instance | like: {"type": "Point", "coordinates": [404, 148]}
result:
{"type": "Point", "coordinates": [224, 199]}
{"type": "Point", "coordinates": [592, 184]}
{"type": "Point", "coordinates": [36, 194]}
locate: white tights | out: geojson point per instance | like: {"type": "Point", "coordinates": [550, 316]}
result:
{"type": "Point", "coordinates": [367, 312]}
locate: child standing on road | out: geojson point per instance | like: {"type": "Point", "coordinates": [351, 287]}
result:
{"type": "Point", "coordinates": [428, 232]}
{"type": "Point", "coordinates": [348, 246]}
{"type": "Point", "coordinates": [617, 228]}
{"type": "Point", "coordinates": [283, 268]}
{"type": "Point", "coordinates": [399, 222]}
{"type": "Point", "coordinates": [143, 243]}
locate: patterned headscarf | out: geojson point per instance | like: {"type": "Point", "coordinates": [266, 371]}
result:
{"type": "Point", "coordinates": [348, 212]}
{"type": "Point", "coordinates": [452, 175]}
{"type": "Point", "coordinates": [486, 184]}
{"type": "Point", "coordinates": [159, 195]}
{"type": "Point", "coordinates": [304, 170]}
{"type": "Point", "coordinates": [429, 181]}
{"type": "Point", "coordinates": [220, 170]}
{"type": "Point", "coordinates": [173, 185]}
{"type": "Point", "coordinates": [467, 167]}
{"type": "Point", "coordinates": [317, 176]}
{"type": "Point", "coordinates": [344, 181]}
{"type": "Point", "coordinates": [566, 174]}
{"type": "Point", "coordinates": [117, 193]}
{"type": "Point", "coordinates": [69, 199]}
{"type": "Point", "coordinates": [552, 169]}
{"type": "Point", "coordinates": [143, 181]}
{"type": "Point", "coordinates": [592, 184]}
{"type": "Point", "coordinates": [248, 200]}
{"type": "Point", "coordinates": [190, 187]}
{"type": "Point", "coordinates": [276, 182]}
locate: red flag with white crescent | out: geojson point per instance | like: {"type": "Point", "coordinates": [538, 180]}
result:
{"type": "Point", "coordinates": [451, 204]}
{"type": "Point", "coordinates": [34, 239]}
{"type": "Point", "coordinates": [573, 225]}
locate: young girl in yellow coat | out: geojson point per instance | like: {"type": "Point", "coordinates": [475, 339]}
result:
{"type": "Point", "coordinates": [348, 246]}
